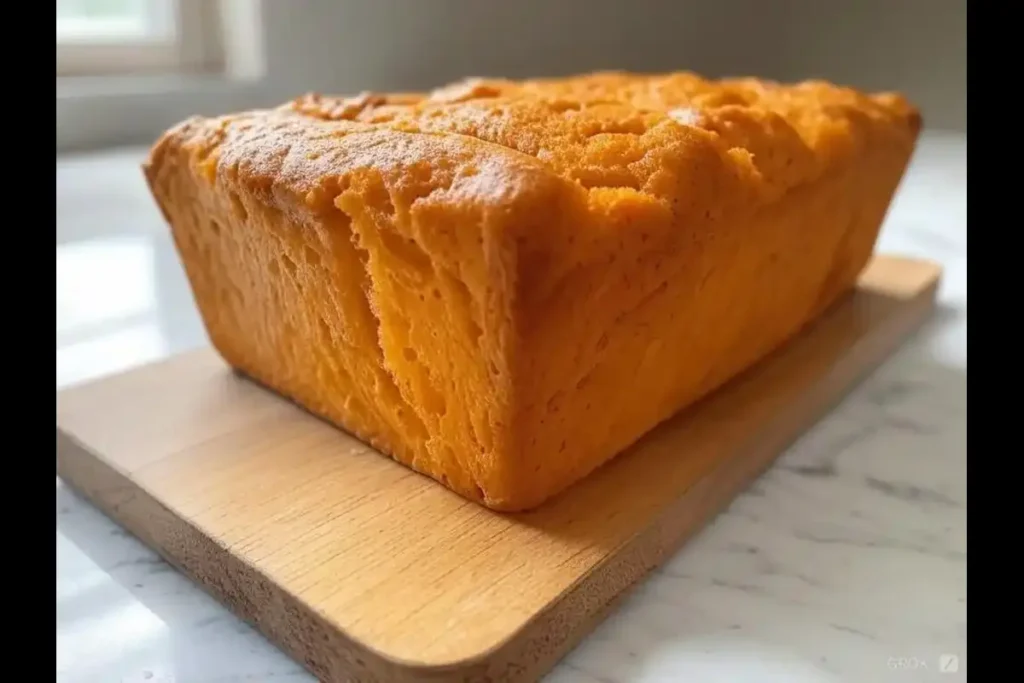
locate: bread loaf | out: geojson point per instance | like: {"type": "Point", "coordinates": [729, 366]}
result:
{"type": "Point", "coordinates": [503, 284]}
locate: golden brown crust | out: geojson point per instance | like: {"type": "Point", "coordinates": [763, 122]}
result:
{"type": "Point", "coordinates": [497, 259]}
{"type": "Point", "coordinates": [598, 129]}
{"type": "Point", "coordinates": [605, 130]}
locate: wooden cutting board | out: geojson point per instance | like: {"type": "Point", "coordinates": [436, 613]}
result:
{"type": "Point", "coordinates": [363, 570]}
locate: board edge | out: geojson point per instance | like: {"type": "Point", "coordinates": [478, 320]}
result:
{"type": "Point", "coordinates": [102, 486]}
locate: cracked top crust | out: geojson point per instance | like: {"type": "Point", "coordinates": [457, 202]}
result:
{"type": "Point", "coordinates": [611, 133]}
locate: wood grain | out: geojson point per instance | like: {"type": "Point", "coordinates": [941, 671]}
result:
{"type": "Point", "coordinates": [363, 570]}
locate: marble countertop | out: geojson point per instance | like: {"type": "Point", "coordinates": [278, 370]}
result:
{"type": "Point", "coordinates": [845, 562]}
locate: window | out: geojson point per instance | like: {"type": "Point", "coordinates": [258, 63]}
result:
{"type": "Point", "coordinates": [121, 37]}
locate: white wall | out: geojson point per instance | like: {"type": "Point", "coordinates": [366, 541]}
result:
{"type": "Point", "coordinates": [344, 46]}
{"type": "Point", "coordinates": [917, 46]}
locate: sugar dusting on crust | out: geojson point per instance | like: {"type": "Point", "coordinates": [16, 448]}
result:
{"type": "Point", "coordinates": [687, 116]}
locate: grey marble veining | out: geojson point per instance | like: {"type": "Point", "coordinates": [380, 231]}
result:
{"type": "Point", "coordinates": [845, 562]}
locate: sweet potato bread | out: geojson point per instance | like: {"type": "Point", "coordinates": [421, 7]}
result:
{"type": "Point", "coordinates": [503, 284]}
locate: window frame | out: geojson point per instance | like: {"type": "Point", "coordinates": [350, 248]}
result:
{"type": "Point", "coordinates": [195, 47]}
